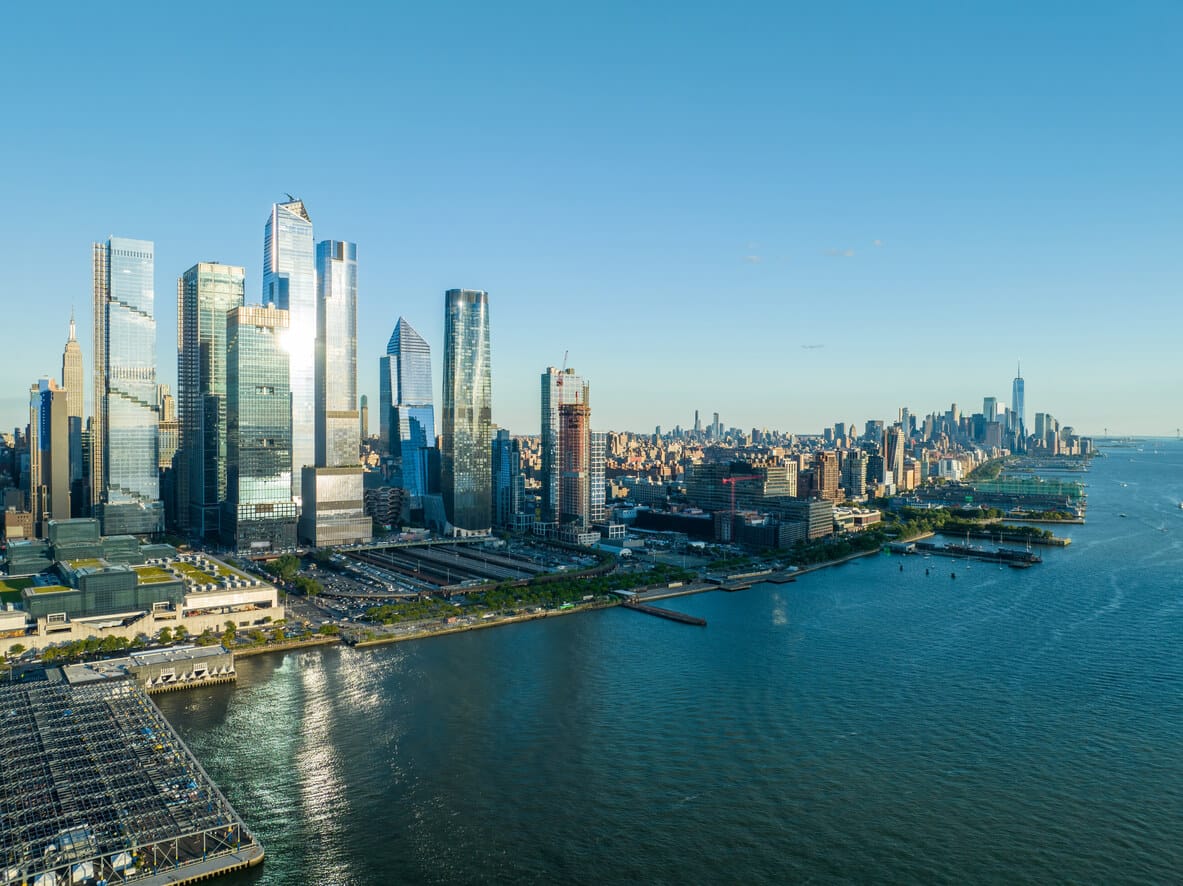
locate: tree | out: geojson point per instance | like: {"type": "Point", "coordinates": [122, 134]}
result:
{"type": "Point", "coordinates": [166, 636]}
{"type": "Point", "coordinates": [182, 632]}
{"type": "Point", "coordinates": [16, 649]}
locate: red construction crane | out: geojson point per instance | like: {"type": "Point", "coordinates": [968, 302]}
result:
{"type": "Point", "coordinates": [732, 480]}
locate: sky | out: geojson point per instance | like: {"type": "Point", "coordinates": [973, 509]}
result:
{"type": "Point", "coordinates": [787, 213]}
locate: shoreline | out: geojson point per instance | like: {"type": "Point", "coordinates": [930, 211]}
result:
{"type": "Point", "coordinates": [479, 625]}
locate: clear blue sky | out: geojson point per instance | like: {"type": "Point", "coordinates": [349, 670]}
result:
{"type": "Point", "coordinates": [682, 196]}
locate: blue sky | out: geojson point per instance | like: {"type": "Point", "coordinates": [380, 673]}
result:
{"type": "Point", "coordinates": [680, 196]}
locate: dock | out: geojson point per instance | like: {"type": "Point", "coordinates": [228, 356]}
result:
{"type": "Point", "coordinates": [1009, 556]}
{"type": "Point", "coordinates": [666, 613]}
{"type": "Point", "coordinates": [96, 786]}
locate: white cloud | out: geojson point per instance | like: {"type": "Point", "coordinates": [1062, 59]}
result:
{"type": "Point", "coordinates": [753, 259]}
{"type": "Point", "coordinates": [841, 253]}
{"type": "Point", "coordinates": [877, 243]}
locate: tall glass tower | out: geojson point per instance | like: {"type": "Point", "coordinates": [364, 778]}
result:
{"type": "Point", "coordinates": [1018, 400]}
{"type": "Point", "coordinates": [406, 413]}
{"type": "Point", "coordinates": [124, 475]}
{"type": "Point", "coordinates": [466, 451]}
{"type": "Point", "coordinates": [337, 432]}
{"type": "Point", "coordinates": [289, 282]}
{"type": "Point", "coordinates": [259, 512]}
{"type": "Point", "coordinates": [205, 294]}
{"type": "Point", "coordinates": [332, 506]}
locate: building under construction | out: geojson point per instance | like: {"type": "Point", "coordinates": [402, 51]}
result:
{"type": "Point", "coordinates": [95, 787]}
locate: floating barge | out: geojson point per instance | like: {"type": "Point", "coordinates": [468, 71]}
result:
{"type": "Point", "coordinates": [96, 787]}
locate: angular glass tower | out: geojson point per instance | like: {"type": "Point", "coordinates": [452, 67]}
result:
{"type": "Point", "coordinates": [332, 504]}
{"type": "Point", "coordinates": [259, 512]}
{"type": "Point", "coordinates": [205, 294]}
{"type": "Point", "coordinates": [124, 475]}
{"type": "Point", "coordinates": [289, 282]}
{"type": "Point", "coordinates": [1018, 399]}
{"type": "Point", "coordinates": [406, 414]}
{"type": "Point", "coordinates": [466, 450]}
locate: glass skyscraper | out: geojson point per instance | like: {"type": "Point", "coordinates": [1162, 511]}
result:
{"type": "Point", "coordinates": [333, 506]}
{"type": "Point", "coordinates": [1018, 402]}
{"type": "Point", "coordinates": [508, 482]}
{"type": "Point", "coordinates": [289, 282]}
{"type": "Point", "coordinates": [124, 474]}
{"type": "Point", "coordinates": [259, 512]}
{"type": "Point", "coordinates": [466, 451]}
{"type": "Point", "coordinates": [337, 432]}
{"type": "Point", "coordinates": [407, 416]}
{"type": "Point", "coordinates": [205, 294]}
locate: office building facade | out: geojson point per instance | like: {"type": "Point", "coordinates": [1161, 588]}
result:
{"type": "Point", "coordinates": [289, 283]}
{"type": "Point", "coordinates": [125, 485]}
{"type": "Point", "coordinates": [406, 423]}
{"type": "Point", "coordinates": [333, 501]}
{"type": "Point", "coordinates": [206, 293]}
{"type": "Point", "coordinates": [49, 455]}
{"type": "Point", "coordinates": [259, 513]}
{"type": "Point", "coordinates": [466, 451]}
{"type": "Point", "coordinates": [508, 481]}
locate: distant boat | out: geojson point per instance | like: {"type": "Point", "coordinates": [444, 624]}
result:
{"type": "Point", "coordinates": [1121, 515]}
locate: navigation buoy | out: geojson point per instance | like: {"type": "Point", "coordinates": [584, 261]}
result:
{"type": "Point", "coordinates": [952, 575]}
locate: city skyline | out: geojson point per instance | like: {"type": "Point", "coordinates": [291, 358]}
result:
{"type": "Point", "coordinates": [908, 199]}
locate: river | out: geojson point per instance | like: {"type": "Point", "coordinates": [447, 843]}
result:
{"type": "Point", "coordinates": [860, 724]}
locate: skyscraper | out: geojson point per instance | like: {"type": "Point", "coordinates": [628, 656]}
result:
{"type": "Point", "coordinates": [49, 455]}
{"type": "Point", "coordinates": [289, 282]}
{"type": "Point", "coordinates": [559, 388]}
{"type": "Point", "coordinates": [333, 505]}
{"type": "Point", "coordinates": [72, 381]}
{"type": "Point", "coordinates": [406, 417]}
{"type": "Point", "coordinates": [1018, 402]}
{"type": "Point", "coordinates": [508, 482]}
{"type": "Point", "coordinates": [574, 465]}
{"type": "Point", "coordinates": [124, 476]}
{"type": "Point", "coordinates": [205, 294]}
{"type": "Point", "coordinates": [259, 512]}
{"type": "Point", "coordinates": [466, 449]}
{"type": "Point", "coordinates": [365, 417]}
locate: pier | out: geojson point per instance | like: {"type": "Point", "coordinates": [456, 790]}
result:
{"type": "Point", "coordinates": [1009, 556]}
{"type": "Point", "coordinates": [666, 613]}
{"type": "Point", "coordinates": [95, 786]}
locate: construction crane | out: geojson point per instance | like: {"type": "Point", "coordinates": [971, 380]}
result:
{"type": "Point", "coordinates": [732, 480]}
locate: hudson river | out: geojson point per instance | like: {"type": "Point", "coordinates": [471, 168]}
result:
{"type": "Point", "coordinates": [861, 724]}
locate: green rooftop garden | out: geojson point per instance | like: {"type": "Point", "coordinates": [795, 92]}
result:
{"type": "Point", "coordinates": [192, 573]}
{"type": "Point", "coordinates": [86, 563]}
{"type": "Point", "coordinates": [150, 575]}
{"type": "Point", "coordinates": [10, 589]}
{"type": "Point", "coordinates": [50, 589]}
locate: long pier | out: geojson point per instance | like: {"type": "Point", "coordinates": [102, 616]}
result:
{"type": "Point", "coordinates": [666, 613]}
{"type": "Point", "coordinates": [1011, 557]}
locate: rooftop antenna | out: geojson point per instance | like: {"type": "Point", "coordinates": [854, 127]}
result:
{"type": "Point", "coordinates": [291, 199]}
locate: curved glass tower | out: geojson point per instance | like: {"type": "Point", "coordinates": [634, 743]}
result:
{"type": "Point", "coordinates": [466, 450]}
